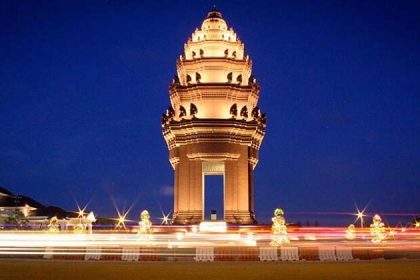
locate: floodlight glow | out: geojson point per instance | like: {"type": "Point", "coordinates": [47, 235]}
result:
{"type": "Point", "coordinates": [213, 227]}
{"type": "Point", "coordinates": [180, 235]}
{"type": "Point", "coordinates": [91, 217]}
{"type": "Point", "coordinates": [194, 228]}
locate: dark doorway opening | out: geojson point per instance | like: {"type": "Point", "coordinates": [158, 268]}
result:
{"type": "Point", "coordinates": [213, 196]}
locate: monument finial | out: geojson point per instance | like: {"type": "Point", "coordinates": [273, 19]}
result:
{"type": "Point", "coordinates": [214, 13]}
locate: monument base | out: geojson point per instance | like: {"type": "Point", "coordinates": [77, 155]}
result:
{"type": "Point", "coordinates": [240, 217]}
{"type": "Point", "coordinates": [230, 217]}
{"type": "Point", "coordinates": [187, 217]}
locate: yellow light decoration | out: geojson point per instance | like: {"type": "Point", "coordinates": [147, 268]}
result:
{"type": "Point", "coordinates": [53, 226]}
{"type": "Point", "coordinates": [350, 232]}
{"type": "Point", "coordinates": [79, 228]}
{"type": "Point", "coordinates": [377, 229]}
{"type": "Point", "coordinates": [279, 229]}
{"type": "Point", "coordinates": [145, 225]}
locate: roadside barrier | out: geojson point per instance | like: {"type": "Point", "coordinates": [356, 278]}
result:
{"type": "Point", "coordinates": [204, 254]}
{"type": "Point", "coordinates": [268, 254]}
{"type": "Point", "coordinates": [93, 253]}
{"type": "Point", "coordinates": [327, 254]}
{"type": "Point", "coordinates": [130, 254]}
{"type": "Point", "coordinates": [343, 253]}
{"type": "Point", "coordinates": [289, 254]}
{"type": "Point", "coordinates": [228, 253]}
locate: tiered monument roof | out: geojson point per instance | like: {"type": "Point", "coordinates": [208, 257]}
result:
{"type": "Point", "coordinates": [213, 72]}
{"type": "Point", "coordinates": [214, 82]}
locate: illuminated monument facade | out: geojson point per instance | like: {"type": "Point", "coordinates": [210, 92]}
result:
{"type": "Point", "coordinates": [213, 126]}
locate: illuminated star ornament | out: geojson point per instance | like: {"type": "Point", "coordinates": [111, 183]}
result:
{"type": "Point", "coordinates": [80, 212]}
{"type": "Point", "coordinates": [360, 216]}
{"type": "Point", "coordinates": [121, 221]}
{"type": "Point", "coordinates": [165, 219]}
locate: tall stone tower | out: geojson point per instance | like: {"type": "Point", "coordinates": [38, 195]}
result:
{"type": "Point", "coordinates": [213, 126]}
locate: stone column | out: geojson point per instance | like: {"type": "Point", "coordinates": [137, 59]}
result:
{"type": "Point", "coordinates": [239, 190]}
{"type": "Point", "coordinates": [188, 191]}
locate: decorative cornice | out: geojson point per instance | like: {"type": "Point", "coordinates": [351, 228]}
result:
{"type": "Point", "coordinates": [213, 156]}
{"type": "Point", "coordinates": [234, 131]}
{"type": "Point", "coordinates": [174, 161]}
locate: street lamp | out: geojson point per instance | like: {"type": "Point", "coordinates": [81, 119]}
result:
{"type": "Point", "coordinates": [360, 215]}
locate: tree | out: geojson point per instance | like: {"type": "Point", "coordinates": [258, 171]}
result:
{"type": "Point", "coordinates": [16, 218]}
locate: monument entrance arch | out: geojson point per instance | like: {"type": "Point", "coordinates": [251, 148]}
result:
{"type": "Point", "coordinates": [213, 169]}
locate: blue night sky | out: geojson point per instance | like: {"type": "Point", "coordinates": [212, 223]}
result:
{"type": "Point", "coordinates": [83, 85]}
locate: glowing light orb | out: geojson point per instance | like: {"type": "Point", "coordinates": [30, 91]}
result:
{"type": "Point", "coordinates": [194, 228]}
{"type": "Point", "coordinates": [392, 233]}
{"type": "Point", "coordinates": [180, 235]}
